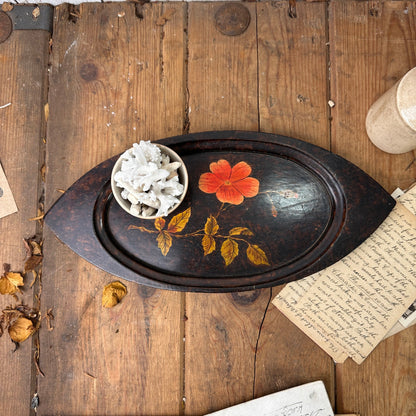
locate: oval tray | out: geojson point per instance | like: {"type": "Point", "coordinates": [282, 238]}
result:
{"type": "Point", "coordinates": [261, 210]}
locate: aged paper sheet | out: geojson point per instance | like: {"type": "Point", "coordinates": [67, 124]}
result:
{"type": "Point", "coordinates": [408, 199]}
{"type": "Point", "coordinates": [307, 399]}
{"type": "Point", "coordinates": [7, 203]}
{"type": "Point", "coordinates": [349, 307]}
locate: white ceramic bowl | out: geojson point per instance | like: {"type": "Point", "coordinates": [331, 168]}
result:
{"type": "Point", "coordinates": [183, 179]}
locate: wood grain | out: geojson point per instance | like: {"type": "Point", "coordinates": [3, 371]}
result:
{"type": "Point", "coordinates": [372, 46]}
{"type": "Point", "coordinates": [293, 101]}
{"type": "Point", "coordinates": [124, 72]}
{"type": "Point", "coordinates": [115, 79]}
{"type": "Point", "coordinates": [222, 73]}
{"type": "Point", "coordinates": [293, 71]}
{"type": "Point", "coordinates": [221, 329]}
{"type": "Point", "coordinates": [23, 71]}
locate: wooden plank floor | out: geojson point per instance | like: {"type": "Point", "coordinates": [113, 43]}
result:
{"type": "Point", "coordinates": [122, 72]}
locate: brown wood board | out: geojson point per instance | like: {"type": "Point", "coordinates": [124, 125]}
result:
{"type": "Point", "coordinates": [219, 327]}
{"type": "Point", "coordinates": [292, 59]}
{"type": "Point", "coordinates": [293, 95]}
{"type": "Point", "coordinates": [372, 45]}
{"type": "Point", "coordinates": [115, 78]}
{"type": "Point", "coordinates": [23, 71]}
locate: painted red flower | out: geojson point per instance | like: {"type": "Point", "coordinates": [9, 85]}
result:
{"type": "Point", "coordinates": [229, 184]}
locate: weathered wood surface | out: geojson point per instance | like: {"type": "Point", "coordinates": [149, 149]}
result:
{"type": "Point", "coordinates": [115, 78]}
{"type": "Point", "coordinates": [124, 72]}
{"type": "Point", "coordinates": [23, 71]}
{"type": "Point", "coordinates": [293, 100]}
{"type": "Point", "coordinates": [221, 328]}
{"type": "Point", "coordinates": [293, 72]}
{"type": "Point", "coordinates": [372, 45]}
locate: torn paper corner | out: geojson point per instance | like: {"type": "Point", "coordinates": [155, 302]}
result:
{"type": "Point", "coordinates": [7, 202]}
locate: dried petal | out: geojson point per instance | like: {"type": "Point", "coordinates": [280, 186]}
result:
{"type": "Point", "coordinates": [21, 329]}
{"type": "Point", "coordinates": [113, 293]}
{"type": "Point", "coordinates": [10, 282]}
{"type": "Point", "coordinates": [36, 248]}
{"type": "Point", "coordinates": [31, 263]}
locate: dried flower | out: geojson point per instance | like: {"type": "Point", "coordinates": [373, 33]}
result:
{"type": "Point", "coordinates": [10, 281]}
{"type": "Point", "coordinates": [21, 329]}
{"type": "Point", "coordinates": [113, 293]}
{"type": "Point", "coordinates": [20, 321]}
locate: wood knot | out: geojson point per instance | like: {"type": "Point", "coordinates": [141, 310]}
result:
{"type": "Point", "coordinates": [89, 71]}
{"type": "Point", "coordinates": [145, 292]}
{"type": "Point", "coordinates": [245, 298]}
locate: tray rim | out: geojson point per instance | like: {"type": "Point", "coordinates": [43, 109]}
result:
{"type": "Point", "coordinates": [225, 138]}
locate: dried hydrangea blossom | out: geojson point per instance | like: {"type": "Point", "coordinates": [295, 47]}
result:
{"type": "Point", "coordinates": [149, 180]}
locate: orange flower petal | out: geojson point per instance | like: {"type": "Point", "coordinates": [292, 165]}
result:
{"type": "Point", "coordinates": [209, 183]}
{"type": "Point", "coordinates": [248, 187]}
{"type": "Point", "coordinates": [228, 193]}
{"type": "Point", "coordinates": [240, 171]}
{"type": "Point", "coordinates": [221, 169]}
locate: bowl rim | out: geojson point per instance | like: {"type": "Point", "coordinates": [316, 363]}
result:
{"type": "Point", "coordinates": [182, 172]}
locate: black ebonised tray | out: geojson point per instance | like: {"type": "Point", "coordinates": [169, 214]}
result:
{"type": "Point", "coordinates": [291, 209]}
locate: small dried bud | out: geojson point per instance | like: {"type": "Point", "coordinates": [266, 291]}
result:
{"type": "Point", "coordinates": [21, 329]}
{"type": "Point", "coordinates": [113, 293]}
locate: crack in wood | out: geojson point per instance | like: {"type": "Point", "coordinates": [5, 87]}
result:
{"type": "Point", "coordinates": [258, 340]}
{"type": "Point", "coordinates": [186, 122]}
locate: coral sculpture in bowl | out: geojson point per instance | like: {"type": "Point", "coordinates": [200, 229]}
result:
{"type": "Point", "coordinates": [149, 180]}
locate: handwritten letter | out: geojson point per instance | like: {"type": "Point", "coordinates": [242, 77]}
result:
{"type": "Point", "coordinates": [349, 307]}
{"type": "Point", "coordinates": [408, 199]}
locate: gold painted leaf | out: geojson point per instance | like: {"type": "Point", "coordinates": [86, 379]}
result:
{"type": "Point", "coordinates": [229, 251]}
{"type": "Point", "coordinates": [211, 226]}
{"type": "Point", "coordinates": [208, 244]}
{"type": "Point", "coordinates": [113, 293]}
{"type": "Point", "coordinates": [240, 231]}
{"type": "Point", "coordinates": [256, 255]}
{"type": "Point", "coordinates": [159, 224]}
{"type": "Point", "coordinates": [10, 282]}
{"type": "Point", "coordinates": [178, 222]}
{"type": "Point", "coordinates": [164, 242]}
{"type": "Point", "coordinates": [21, 329]}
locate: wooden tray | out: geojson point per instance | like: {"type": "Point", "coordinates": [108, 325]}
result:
{"type": "Point", "coordinates": [261, 210]}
